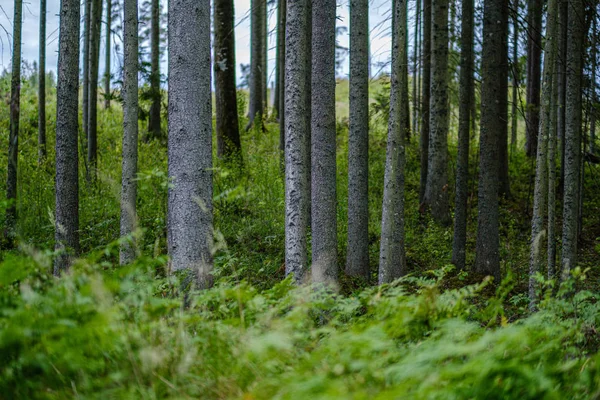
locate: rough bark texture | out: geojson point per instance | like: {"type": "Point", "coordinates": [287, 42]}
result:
{"type": "Point", "coordinates": [130, 129]}
{"type": "Point", "coordinates": [107, 50]}
{"type": "Point", "coordinates": [13, 139]}
{"type": "Point", "coordinates": [189, 217]}
{"type": "Point", "coordinates": [279, 60]}
{"type": "Point", "coordinates": [67, 183]}
{"type": "Point", "coordinates": [562, 87]}
{"type": "Point", "coordinates": [424, 143]}
{"type": "Point", "coordinates": [415, 76]}
{"type": "Point", "coordinates": [436, 192]}
{"type": "Point", "coordinates": [572, 149]}
{"type": "Point", "coordinates": [86, 70]}
{"type": "Point", "coordinates": [502, 98]}
{"type": "Point", "coordinates": [258, 31]}
{"type": "Point", "coordinates": [392, 257]}
{"type": "Point", "coordinates": [534, 52]}
{"type": "Point", "coordinates": [357, 256]}
{"type": "Point", "coordinates": [537, 257]}
{"type": "Point", "coordinates": [593, 85]}
{"type": "Point", "coordinates": [154, 129]}
{"type": "Point", "coordinates": [228, 133]}
{"type": "Point", "coordinates": [308, 109]}
{"type": "Point", "coordinates": [92, 136]}
{"type": "Point", "coordinates": [42, 85]}
{"type": "Point", "coordinates": [464, 125]}
{"type": "Point", "coordinates": [515, 79]}
{"type": "Point", "coordinates": [324, 202]}
{"type": "Point", "coordinates": [296, 140]}
{"type": "Point", "coordinates": [494, 75]}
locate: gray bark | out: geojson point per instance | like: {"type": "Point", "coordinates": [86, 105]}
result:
{"type": "Point", "coordinates": [357, 257]}
{"type": "Point", "coordinates": [107, 50]}
{"type": "Point", "coordinates": [323, 192]}
{"type": "Point", "coordinates": [593, 99]}
{"type": "Point", "coordinates": [572, 149]}
{"type": "Point", "coordinates": [392, 257]}
{"type": "Point", "coordinates": [424, 142]}
{"type": "Point", "coordinates": [464, 125]}
{"type": "Point", "coordinates": [92, 122]}
{"type": "Point", "coordinates": [130, 130]}
{"type": "Point", "coordinates": [562, 87]}
{"type": "Point", "coordinates": [296, 139]}
{"type": "Point", "coordinates": [515, 79]}
{"type": "Point", "coordinates": [67, 97]}
{"type": "Point", "coordinates": [42, 85]}
{"type": "Point", "coordinates": [189, 217]}
{"type": "Point", "coordinates": [86, 69]}
{"type": "Point", "coordinates": [415, 78]}
{"type": "Point", "coordinates": [13, 138]}
{"type": "Point", "coordinates": [154, 128]}
{"type": "Point", "coordinates": [436, 192]}
{"type": "Point", "coordinates": [534, 51]}
{"type": "Point", "coordinates": [279, 60]}
{"type": "Point", "coordinates": [494, 73]}
{"type": "Point", "coordinates": [258, 31]}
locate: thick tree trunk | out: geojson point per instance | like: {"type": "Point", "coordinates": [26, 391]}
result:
{"type": "Point", "coordinates": [189, 217]}
{"type": "Point", "coordinates": [436, 192]}
{"type": "Point", "coordinates": [494, 73]}
{"type": "Point", "coordinates": [324, 202]}
{"type": "Point", "coordinates": [107, 50]}
{"type": "Point", "coordinates": [13, 138]}
{"type": "Point", "coordinates": [357, 257]}
{"type": "Point", "coordinates": [534, 52]}
{"type": "Point", "coordinates": [296, 139]}
{"type": "Point", "coordinates": [392, 256]}
{"type": "Point", "coordinates": [228, 133]}
{"type": "Point", "coordinates": [424, 143]}
{"type": "Point", "coordinates": [42, 85]}
{"type": "Point", "coordinates": [464, 125]}
{"type": "Point", "coordinates": [92, 150]}
{"type": "Point", "coordinates": [256, 103]}
{"type": "Point", "coordinates": [67, 166]}
{"type": "Point", "coordinates": [154, 129]}
{"type": "Point", "coordinates": [572, 149]}
{"type": "Point", "coordinates": [130, 130]}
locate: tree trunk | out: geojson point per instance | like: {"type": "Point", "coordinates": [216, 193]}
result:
{"type": "Point", "coordinates": [464, 125]}
{"type": "Point", "coordinates": [515, 79]}
{"type": "Point", "coordinates": [296, 139]}
{"type": "Point", "coordinates": [92, 155]}
{"type": "Point", "coordinates": [562, 87]}
{"type": "Point", "coordinates": [257, 68]}
{"type": "Point", "coordinates": [357, 257]}
{"type": "Point", "coordinates": [13, 141]}
{"type": "Point", "coordinates": [67, 166]}
{"type": "Point", "coordinates": [392, 256]}
{"type": "Point", "coordinates": [279, 60]}
{"type": "Point", "coordinates": [189, 217]}
{"type": "Point", "coordinates": [494, 73]}
{"type": "Point", "coordinates": [130, 130]}
{"type": "Point", "coordinates": [572, 149]}
{"type": "Point", "coordinates": [436, 192]}
{"type": "Point", "coordinates": [42, 86]}
{"type": "Point", "coordinates": [415, 78]}
{"type": "Point", "coordinates": [424, 143]}
{"type": "Point", "coordinates": [228, 134]}
{"type": "Point", "coordinates": [154, 129]}
{"type": "Point", "coordinates": [593, 99]}
{"type": "Point", "coordinates": [534, 51]}
{"type": "Point", "coordinates": [107, 54]}
{"type": "Point", "coordinates": [86, 71]}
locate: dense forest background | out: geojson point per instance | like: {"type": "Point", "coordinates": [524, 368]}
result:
{"type": "Point", "coordinates": [421, 228]}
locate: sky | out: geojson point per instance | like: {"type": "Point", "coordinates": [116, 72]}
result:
{"type": "Point", "coordinates": [378, 20]}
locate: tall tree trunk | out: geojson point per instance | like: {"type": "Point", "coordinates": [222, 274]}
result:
{"type": "Point", "coordinates": [42, 85]}
{"type": "Point", "coordinates": [436, 192]}
{"type": "Point", "coordinates": [92, 155]}
{"type": "Point", "coordinates": [86, 71]}
{"type": "Point", "coordinates": [296, 139]}
{"type": "Point", "coordinates": [308, 110]}
{"type": "Point", "coordinates": [154, 129]}
{"type": "Point", "coordinates": [279, 58]}
{"type": "Point", "coordinates": [562, 87]}
{"type": "Point", "coordinates": [415, 77]}
{"type": "Point", "coordinates": [67, 165]}
{"type": "Point", "coordinates": [494, 73]}
{"type": "Point", "coordinates": [424, 142]}
{"type": "Point", "coordinates": [189, 217]}
{"type": "Point", "coordinates": [537, 258]}
{"type": "Point", "coordinates": [464, 125]}
{"type": "Point", "coordinates": [257, 68]}
{"type": "Point", "coordinates": [130, 130]}
{"type": "Point", "coordinates": [228, 134]}
{"type": "Point", "coordinates": [593, 85]}
{"type": "Point", "coordinates": [534, 52]}
{"type": "Point", "coordinates": [392, 256]}
{"type": "Point", "coordinates": [13, 139]}
{"type": "Point", "coordinates": [265, 62]}
{"type": "Point", "coordinates": [107, 54]}
{"type": "Point", "coordinates": [357, 257]}
{"type": "Point", "coordinates": [324, 202]}
{"type": "Point", "coordinates": [502, 97]}
{"type": "Point", "coordinates": [515, 78]}
{"type": "Point", "coordinates": [572, 149]}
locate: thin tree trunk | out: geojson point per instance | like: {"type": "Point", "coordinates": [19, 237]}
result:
{"type": "Point", "coordinates": [42, 85]}
{"type": "Point", "coordinates": [436, 192]}
{"type": "Point", "coordinates": [494, 73]}
{"type": "Point", "coordinates": [392, 257]}
{"type": "Point", "coordinates": [308, 110]}
{"type": "Point", "coordinates": [415, 92]}
{"type": "Point", "coordinates": [515, 78]}
{"type": "Point", "coordinates": [534, 52]}
{"type": "Point", "coordinates": [594, 100]}
{"type": "Point", "coordinates": [67, 165]}
{"type": "Point", "coordinates": [552, 142]}
{"type": "Point", "coordinates": [92, 155]}
{"type": "Point", "coordinates": [424, 143]}
{"type": "Point", "coordinates": [562, 88]}
{"type": "Point", "coordinates": [86, 71]}
{"type": "Point", "coordinates": [279, 59]}
{"type": "Point", "coordinates": [257, 68]}
{"type": "Point", "coordinates": [502, 97]}
{"type": "Point", "coordinates": [357, 257]}
{"type": "Point", "coordinates": [464, 125]}
{"type": "Point", "coordinates": [296, 139]}
{"type": "Point", "coordinates": [107, 54]}
{"type": "Point", "coordinates": [154, 129]}
{"type": "Point", "coordinates": [13, 139]}
{"type": "Point", "coordinates": [228, 134]}
{"type": "Point", "coordinates": [130, 130]}
{"type": "Point", "coordinates": [189, 217]}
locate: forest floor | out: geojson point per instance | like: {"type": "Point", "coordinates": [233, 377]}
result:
{"type": "Point", "coordinates": [123, 332]}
